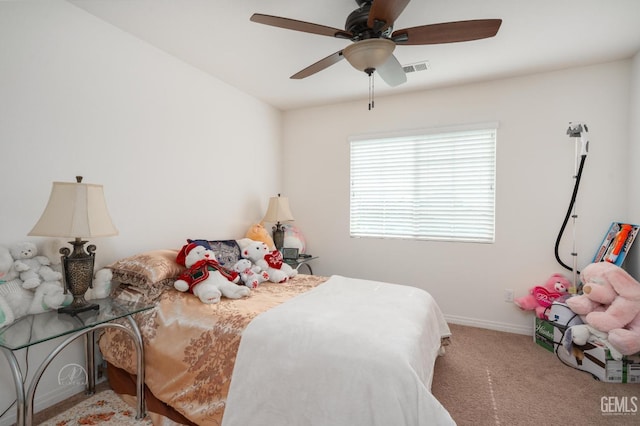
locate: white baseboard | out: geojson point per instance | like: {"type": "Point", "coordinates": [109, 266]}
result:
{"type": "Point", "coordinates": [491, 325]}
{"type": "Point", "coordinates": [43, 401]}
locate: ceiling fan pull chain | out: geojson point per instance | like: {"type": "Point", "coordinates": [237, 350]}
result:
{"type": "Point", "coordinates": [369, 72]}
{"type": "Point", "coordinates": [373, 101]}
{"type": "Point", "coordinates": [370, 94]}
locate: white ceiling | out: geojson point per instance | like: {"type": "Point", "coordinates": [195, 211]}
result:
{"type": "Point", "coordinates": [217, 37]}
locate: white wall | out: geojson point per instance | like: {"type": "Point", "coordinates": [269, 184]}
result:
{"type": "Point", "coordinates": [535, 169]}
{"type": "Point", "coordinates": [170, 144]}
{"type": "Point", "coordinates": [633, 158]}
{"type": "Point", "coordinates": [174, 148]}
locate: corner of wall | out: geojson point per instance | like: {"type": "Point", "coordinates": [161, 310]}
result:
{"type": "Point", "coordinates": [633, 262]}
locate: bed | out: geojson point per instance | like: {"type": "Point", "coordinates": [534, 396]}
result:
{"type": "Point", "coordinates": [312, 351]}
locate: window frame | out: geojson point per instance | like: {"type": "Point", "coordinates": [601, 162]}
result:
{"type": "Point", "coordinates": [457, 232]}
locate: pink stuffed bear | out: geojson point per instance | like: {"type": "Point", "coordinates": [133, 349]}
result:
{"type": "Point", "coordinates": [541, 297]}
{"type": "Point", "coordinates": [611, 304]}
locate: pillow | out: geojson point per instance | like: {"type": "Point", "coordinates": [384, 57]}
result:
{"type": "Point", "coordinates": [129, 293]}
{"type": "Point", "coordinates": [149, 269]}
{"type": "Point", "coordinates": [227, 252]}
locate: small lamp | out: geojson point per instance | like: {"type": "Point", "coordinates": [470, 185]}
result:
{"type": "Point", "coordinates": [76, 210]}
{"type": "Point", "coordinates": [278, 211]}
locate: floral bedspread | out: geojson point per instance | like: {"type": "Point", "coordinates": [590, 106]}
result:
{"type": "Point", "coordinates": [190, 347]}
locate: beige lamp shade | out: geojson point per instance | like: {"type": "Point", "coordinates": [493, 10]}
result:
{"type": "Point", "coordinates": [75, 210]}
{"type": "Point", "coordinates": [278, 210]}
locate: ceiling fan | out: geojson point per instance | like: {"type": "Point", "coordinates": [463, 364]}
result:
{"type": "Point", "coordinates": [370, 28]}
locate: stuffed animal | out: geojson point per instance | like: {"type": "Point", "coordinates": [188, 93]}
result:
{"type": "Point", "coordinates": [582, 334]}
{"type": "Point", "coordinates": [270, 261]}
{"type": "Point", "coordinates": [205, 278]}
{"type": "Point", "coordinates": [251, 275]}
{"type": "Point", "coordinates": [101, 286]}
{"type": "Point", "coordinates": [48, 296]}
{"type": "Point", "coordinates": [610, 303]}
{"type": "Point", "coordinates": [257, 232]}
{"type": "Point", "coordinates": [7, 275]}
{"type": "Point", "coordinates": [50, 248]}
{"type": "Point", "coordinates": [16, 301]}
{"type": "Point", "coordinates": [33, 269]}
{"type": "Point", "coordinates": [541, 297]}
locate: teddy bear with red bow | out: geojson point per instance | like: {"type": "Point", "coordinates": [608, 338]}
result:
{"type": "Point", "coordinates": [269, 261]}
{"type": "Point", "coordinates": [205, 277]}
{"type": "Point", "coordinates": [541, 297]}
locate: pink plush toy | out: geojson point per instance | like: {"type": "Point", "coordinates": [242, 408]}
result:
{"type": "Point", "coordinates": [541, 297]}
{"type": "Point", "coordinates": [610, 303]}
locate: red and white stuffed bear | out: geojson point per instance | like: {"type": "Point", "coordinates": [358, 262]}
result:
{"type": "Point", "coordinates": [251, 275]}
{"type": "Point", "coordinates": [205, 277]}
{"type": "Point", "coordinates": [269, 261]}
{"type": "Point", "coordinates": [541, 297]}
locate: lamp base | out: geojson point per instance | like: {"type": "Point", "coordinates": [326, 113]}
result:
{"type": "Point", "coordinates": [278, 236]}
{"type": "Point", "coordinates": [75, 310]}
{"type": "Point", "coordinates": [77, 271]}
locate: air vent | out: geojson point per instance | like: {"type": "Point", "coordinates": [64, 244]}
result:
{"type": "Point", "coordinates": [418, 66]}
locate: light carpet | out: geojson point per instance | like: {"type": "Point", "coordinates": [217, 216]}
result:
{"type": "Point", "coordinates": [104, 409]}
{"type": "Point", "coordinates": [491, 378]}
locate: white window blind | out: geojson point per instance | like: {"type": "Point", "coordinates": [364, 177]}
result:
{"type": "Point", "coordinates": [438, 186]}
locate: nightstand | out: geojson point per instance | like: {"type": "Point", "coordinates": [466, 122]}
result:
{"type": "Point", "coordinates": [31, 330]}
{"type": "Point", "coordinates": [301, 261]}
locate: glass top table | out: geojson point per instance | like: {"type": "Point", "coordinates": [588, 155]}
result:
{"type": "Point", "coordinates": [33, 329]}
{"type": "Point", "coordinates": [300, 261]}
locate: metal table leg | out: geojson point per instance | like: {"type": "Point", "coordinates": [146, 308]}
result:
{"type": "Point", "coordinates": [28, 408]}
{"type": "Point", "coordinates": [18, 382]}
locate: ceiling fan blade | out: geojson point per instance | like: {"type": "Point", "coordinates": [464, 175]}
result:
{"type": "Point", "coordinates": [319, 66]}
{"type": "Point", "coordinates": [448, 32]}
{"type": "Point", "coordinates": [386, 12]}
{"type": "Point", "coordinates": [292, 24]}
{"type": "Point", "coordinates": [392, 72]}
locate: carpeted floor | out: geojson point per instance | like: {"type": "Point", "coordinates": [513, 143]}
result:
{"type": "Point", "coordinates": [492, 378]}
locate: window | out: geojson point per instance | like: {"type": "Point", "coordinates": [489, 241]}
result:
{"type": "Point", "coordinates": [430, 185]}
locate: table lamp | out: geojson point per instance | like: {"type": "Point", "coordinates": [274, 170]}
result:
{"type": "Point", "coordinates": [278, 211]}
{"type": "Point", "coordinates": [76, 210]}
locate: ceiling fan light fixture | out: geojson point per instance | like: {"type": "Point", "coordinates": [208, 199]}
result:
{"type": "Point", "coordinates": [369, 53]}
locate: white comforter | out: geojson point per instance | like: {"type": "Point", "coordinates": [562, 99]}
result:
{"type": "Point", "coordinates": [349, 352]}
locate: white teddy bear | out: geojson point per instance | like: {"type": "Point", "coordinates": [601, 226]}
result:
{"type": "Point", "coordinates": [205, 278]}
{"type": "Point", "coordinates": [16, 301]}
{"type": "Point", "coordinates": [101, 286]}
{"type": "Point", "coordinates": [251, 275]}
{"type": "Point", "coordinates": [269, 261]}
{"type": "Point", "coordinates": [33, 269]}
